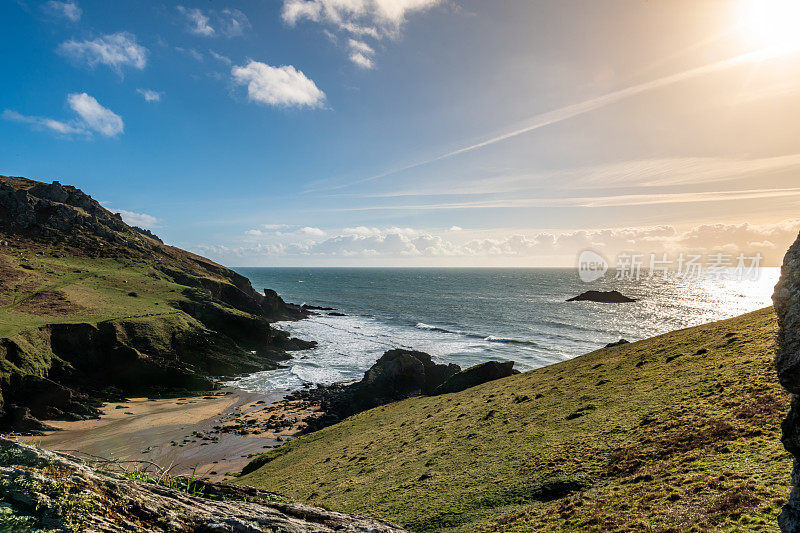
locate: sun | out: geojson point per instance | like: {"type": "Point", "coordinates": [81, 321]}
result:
{"type": "Point", "coordinates": [774, 24]}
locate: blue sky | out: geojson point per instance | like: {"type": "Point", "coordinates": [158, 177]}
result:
{"type": "Point", "coordinates": [413, 132]}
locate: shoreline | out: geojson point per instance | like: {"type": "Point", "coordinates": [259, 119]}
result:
{"type": "Point", "coordinates": [213, 436]}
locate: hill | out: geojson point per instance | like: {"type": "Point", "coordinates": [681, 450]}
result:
{"type": "Point", "coordinates": [673, 433]}
{"type": "Point", "coordinates": [92, 308]}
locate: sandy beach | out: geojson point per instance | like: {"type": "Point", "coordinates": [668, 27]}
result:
{"type": "Point", "coordinates": [216, 434]}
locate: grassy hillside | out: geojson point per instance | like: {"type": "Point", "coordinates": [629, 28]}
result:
{"type": "Point", "coordinates": [42, 289]}
{"type": "Point", "coordinates": [92, 307]}
{"type": "Point", "coordinates": [674, 433]}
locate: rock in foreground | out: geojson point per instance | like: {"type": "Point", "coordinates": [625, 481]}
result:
{"type": "Point", "coordinates": [787, 364]}
{"type": "Point", "coordinates": [606, 297]}
{"type": "Point", "coordinates": [44, 491]}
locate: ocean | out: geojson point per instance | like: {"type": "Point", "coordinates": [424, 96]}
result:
{"type": "Point", "coordinates": [468, 316]}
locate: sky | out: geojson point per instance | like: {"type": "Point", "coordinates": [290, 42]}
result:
{"type": "Point", "coordinates": [415, 132]}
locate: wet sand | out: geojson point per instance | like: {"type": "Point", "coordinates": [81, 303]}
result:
{"type": "Point", "coordinates": [215, 433]}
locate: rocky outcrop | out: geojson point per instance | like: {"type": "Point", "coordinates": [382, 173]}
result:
{"type": "Point", "coordinates": [476, 375]}
{"type": "Point", "coordinates": [46, 491]}
{"type": "Point", "coordinates": [397, 375]}
{"type": "Point", "coordinates": [787, 364]}
{"type": "Point", "coordinates": [607, 297]}
{"type": "Point", "coordinates": [216, 325]}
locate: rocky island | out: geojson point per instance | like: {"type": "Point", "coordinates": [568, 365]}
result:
{"type": "Point", "coordinates": [609, 297]}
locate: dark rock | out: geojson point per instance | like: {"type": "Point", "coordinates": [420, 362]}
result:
{"type": "Point", "coordinates": [618, 343]}
{"type": "Point", "coordinates": [787, 364]}
{"type": "Point", "coordinates": [488, 371]}
{"type": "Point", "coordinates": [612, 297]}
{"type": "Point", "coordinates": [24, 423]}
{"type": "Point", "coordinates": [397, 375]}
{"type": "Point", "coordinates": [336, 314]}
{"type": "Point", "coordinates": [317, 308]}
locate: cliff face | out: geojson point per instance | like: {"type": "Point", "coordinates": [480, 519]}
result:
{"type": "Point", "coordinates": [92, 308]}
{"type": "Point", "coordinates": [787, 363]}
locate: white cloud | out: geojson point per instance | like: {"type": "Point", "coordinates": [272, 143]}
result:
{"type": "Point", "coordinates": [150, 95]}
{"type": "Point", "coordinates": [456, 228]}
{"type": "Point", "coordinates": [233, 22]}
{"type": "Point", "coordinates": [313, 232]}
{"type": "Point", "coordinates": [228, 22]}
{"type": "Point", "coordinates": [116, 50]}
{"type": "Point", "coordinates": [92, 117]}
{"type": "Point", "coordinates": [95, 116]}
{"type": "Point", "coordinates": [191, 52]}
{"type": "Point", "coordinates": [361, 60]}
{"type": "Point", "coordinates": [254, 232]}
{"type": "Point", "coordinates": [220, 57]}
{"type": "Point", "coordinates": [679, 171]}
{"type": "Point", "coordinates": [375, 19]}
{"type": "Point", "coordinates": [69, 10]}
{"type": "Point", "coordinates": [360, 17]}
{"type": "Point", "coordinates": [142, 220]}
{"type": "Point", "coordinates": [360, 46]}
{"type": "Point", "coordinates": [771, 240]}
{"type": "Point", "coordinates": [361, 54]}
{"type": "Point", "coordinates": [279, 86]}
{"type": "Point", "coordinates": [198, 21]}
{"type": "Point", "coordinates": [273, 227]}
{"type": "Point", "coordinates": [44, 122]}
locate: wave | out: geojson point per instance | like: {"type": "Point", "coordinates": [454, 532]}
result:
{"type": "Point", "coordinates": [492, 338]}
{"type": "Point", "coordinates": [428, 327]}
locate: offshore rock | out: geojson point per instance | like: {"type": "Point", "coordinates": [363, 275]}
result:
{"type": "Point", "coordinates": [606, 297]}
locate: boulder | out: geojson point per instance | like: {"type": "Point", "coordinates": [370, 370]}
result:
{"type": "Point", "coordinates": [397, 375]}
{"type": "Point", "coordinates": [787, 363]}
{"type": "Point", "coordinates": [607, 297]}
{"type": "Point", "coordinates": [488, 371]}
{"type": "Point", "coordinates": [400, 374]}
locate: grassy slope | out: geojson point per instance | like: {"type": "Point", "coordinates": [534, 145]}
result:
{"type": "Point", "coordinates": [78, 289]}
{"type": "Point", "coordinates": [664, 435]}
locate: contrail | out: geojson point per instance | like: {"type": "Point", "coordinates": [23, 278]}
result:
{"type": "Point", "coordinates": [574, 110]}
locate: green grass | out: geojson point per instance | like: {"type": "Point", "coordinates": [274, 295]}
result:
{"type": "Point", "coordinates": [78, 289]}
{"type": "Point", "coordinates": [675, 433]}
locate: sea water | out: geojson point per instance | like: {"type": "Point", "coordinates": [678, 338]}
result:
{"type": "Point", "coordinates": [467, 316]}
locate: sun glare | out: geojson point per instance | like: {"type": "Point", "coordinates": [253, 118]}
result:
{"type": "Point", "coordinates": [773, 23]}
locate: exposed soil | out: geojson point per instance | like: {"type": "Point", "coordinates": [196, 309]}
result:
{"type": "Point", "coordinates": [51, 303]}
